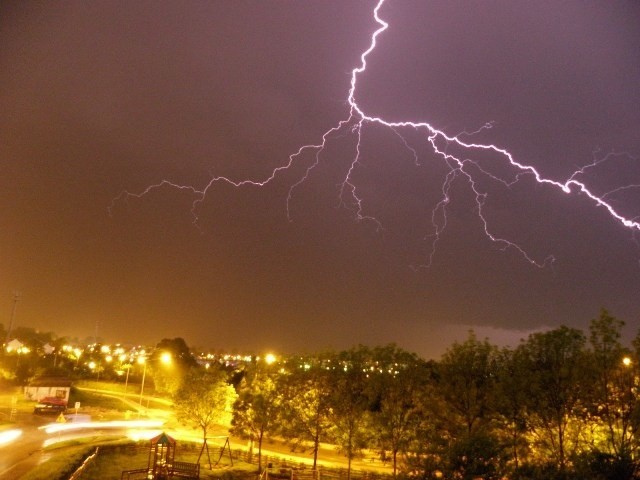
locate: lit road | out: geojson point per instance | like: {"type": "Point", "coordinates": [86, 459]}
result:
{"type": "Point", "coordinates": [26, 451]}
{"type": "Point", "coordinates": [21, 455]}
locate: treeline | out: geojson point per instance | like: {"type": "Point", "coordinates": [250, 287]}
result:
{"type": "Point", "coordinates": [561, 405]}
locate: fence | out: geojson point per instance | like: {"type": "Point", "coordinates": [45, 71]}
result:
{"type": "Point", "coordinates": [278, 468]}
{"type": "Point", "coordinates": [85, 464]}
{"type": "Point", "coordinates": [283, 469]}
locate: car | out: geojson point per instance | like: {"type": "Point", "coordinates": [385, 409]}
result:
{"type": "Point", "coordinates": [50, 405]}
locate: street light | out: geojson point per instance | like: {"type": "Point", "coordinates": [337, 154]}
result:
{"type": "Point", "coordinates": [77, 352]}
{"type": "Point", "coordinates": [143, 361]}
{"type": "Point", "coordinates": [165, 358]}
{"type": "Point", "coordinates": [126, 380]}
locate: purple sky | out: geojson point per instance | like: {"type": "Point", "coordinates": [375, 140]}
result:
{"type": "Point", "coordinates": [97, 98]}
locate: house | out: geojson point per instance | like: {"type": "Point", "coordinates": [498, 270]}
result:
{"type": "Point", "coordinates": [14, 345]}
{"type": "Point", "coordinates": [48, 386]}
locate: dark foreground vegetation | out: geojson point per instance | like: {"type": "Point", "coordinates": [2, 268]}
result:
{"type": "Point", "coordinates": [562, 405]}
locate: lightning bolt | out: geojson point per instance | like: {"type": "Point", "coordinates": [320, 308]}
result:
{"type": "Point", "coordinates": [458, 166]}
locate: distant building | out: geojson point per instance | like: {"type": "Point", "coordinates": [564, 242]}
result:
{"type": "Point", "coordinates": [41, 387]}
{"type": "Point", "coordinates": [14, 345]}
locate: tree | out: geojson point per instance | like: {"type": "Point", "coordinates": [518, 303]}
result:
{"type": "Point", "coordinates": [613, 399]}
{"type": "Point", "coordinates": [511, 401]}
{"type": "Point", "coordinates": [205, 400]}
{"type": "Point", "coordinates": [554, 361]}
{"type": "Point", "coordinates": [398, 385]}
{"type": "Point", "coordinates": [467, 373]}
{"type": "Point", "coordinates": [467, 381]}
{"type": "Point", "coordinates": [168, 376]}
{"type": "Point", "coordinates": [476, 455]}
{"type": "Point", "coordinates": [306, 413]}
{"type": "Point", "coordinates": [179, 350]}
{"type": "Point", "coordinates": [256, 409]}
{"type": "Point", "coordinates": [429, 451]}
{"type": "Point", "coordinates": [350, 402]}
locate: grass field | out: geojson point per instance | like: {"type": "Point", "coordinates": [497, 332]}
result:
{"type": "Point", "coordinates": [63, 459]}
{"type": "Point", "coordinates": [96, 400]}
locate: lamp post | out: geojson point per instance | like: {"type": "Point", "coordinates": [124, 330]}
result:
{"type": "Point", "coordinates": [126, 381]}
{"type": "Point", "coordinates": [143, 361]}
{"type": "Point", "coordinates": [165, 359]}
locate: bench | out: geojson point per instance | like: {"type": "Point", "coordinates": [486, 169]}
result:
{"type": "Point", "coordinates": [137, 474]}
{"type": "Point", "coordinates": [185, 470]}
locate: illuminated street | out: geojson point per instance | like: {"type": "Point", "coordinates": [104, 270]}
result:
{"type": "Point", "coordinates": [25, 452]}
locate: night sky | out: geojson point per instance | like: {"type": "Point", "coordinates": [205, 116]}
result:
{"type": "Point", "coordinates": [104, 97]}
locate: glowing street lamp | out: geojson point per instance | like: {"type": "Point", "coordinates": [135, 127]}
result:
{"type": "Point", "coordinates": [77, 352]}
{"type": "Point", "coordinates": [626, 361]}
{"type": "Point", "coordinates": [166, 358]}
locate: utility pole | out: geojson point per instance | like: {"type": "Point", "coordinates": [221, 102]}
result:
{"type": "Point", "coordinates": [16, 297]}
{"type": "Point", "coordinates": [95, 333]}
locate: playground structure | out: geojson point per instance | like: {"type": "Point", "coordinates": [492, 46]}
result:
{"type": "Point", "coordinates": [226, 446]}
{"type": "Point", "coordinates": [161, 464]}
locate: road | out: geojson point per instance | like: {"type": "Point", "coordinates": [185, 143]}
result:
{"type": "Point", "coordinates": [27, 451]}
{"type": "Point", "coordinates": [18, 457]}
